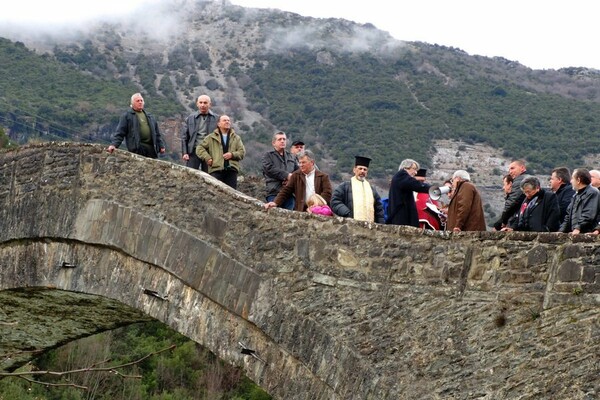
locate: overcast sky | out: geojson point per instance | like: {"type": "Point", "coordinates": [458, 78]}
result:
{"type": "Point", "coordinates": [539, 34]}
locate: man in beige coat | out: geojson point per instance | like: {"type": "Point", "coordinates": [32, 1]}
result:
{"type": "Point", "coordinates": [465, 211]}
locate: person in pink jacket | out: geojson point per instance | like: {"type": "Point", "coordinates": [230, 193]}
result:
{"type": "Point", "coordinates": [317, 205]}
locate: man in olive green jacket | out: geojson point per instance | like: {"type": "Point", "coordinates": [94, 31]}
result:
{"type": "Point", "coordinates": [222, 151]}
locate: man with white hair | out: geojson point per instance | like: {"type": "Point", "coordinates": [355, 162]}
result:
{"type": "Point", "coordinates": [140, 131]}
{"type": "Point", "coordinates": [402, 209]}
{"type": "Point", "coordinates": [595, 174]}
{"type": "Point", "coordinates": [465, 211]}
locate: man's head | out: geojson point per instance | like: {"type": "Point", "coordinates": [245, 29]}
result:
{"type": "Point", "coordinates": [361, 167]}
{"type": "Point", "coordinates": [516, 168]}
{"type": "Point", "coordinates": [203, 103]}
{"type": "Point", "coordinates": [137, 102]}
{"type": "Point", "coordinates": [306, 161]}
{"type": "Point", "coordinates": [224, 123]}
{"type": "Point", "coordinates": [560, 176]}
{"type": "Point", "coordinates": [411, 166]}
{"type": "Point", "coordinates": [507, 182]}
{"type": "Point", "coordinates": [297, 147]}
{"type": "Point", "coordinates": [460, 176]}
{"type": "Point", "coordinates": [279, 142]}
{"type": "Point", "coordinates": [530, 186]}
{"type": "Point", "coordinates": [595, 174]}
{"type": "Point", "coordinates": [581, 178]}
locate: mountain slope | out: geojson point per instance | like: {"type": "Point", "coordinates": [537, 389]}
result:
{"type": "Point", "coordinates": [344, 88]}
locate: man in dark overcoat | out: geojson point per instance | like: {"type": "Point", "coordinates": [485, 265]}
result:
{"type": "Point", "coordinates": [402, 209]}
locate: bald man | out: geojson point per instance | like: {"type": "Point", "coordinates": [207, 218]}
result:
{"type": "Point", "coordinates": [197, 126]}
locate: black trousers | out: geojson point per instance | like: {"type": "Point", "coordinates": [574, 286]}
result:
{"type": "Point", "coordinates": [146, 151]}
{"type": "Point", "coordinates": [227, 176]}
{"type": "Point", "coordinates": [196, 163]}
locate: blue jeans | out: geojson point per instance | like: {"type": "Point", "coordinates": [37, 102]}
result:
{"type": "Point", "coordinates": [288, 204]}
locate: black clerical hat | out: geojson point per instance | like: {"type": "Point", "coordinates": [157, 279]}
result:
{"type": "Point", "coordinates": [364, 161]}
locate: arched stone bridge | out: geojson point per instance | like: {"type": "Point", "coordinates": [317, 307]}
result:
{"type": "Point", "coordinates": [334, 308]}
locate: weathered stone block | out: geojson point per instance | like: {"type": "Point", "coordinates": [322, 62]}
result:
{"type": "Point", "coordinates": [569, 271]}
{"type": "Point", "coordinates": [536, 256]}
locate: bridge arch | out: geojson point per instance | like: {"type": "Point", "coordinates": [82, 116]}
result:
{"type": "Point", "coordinates": [334, 308]}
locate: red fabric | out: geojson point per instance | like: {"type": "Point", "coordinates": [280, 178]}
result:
{"type": "Point", "coordinates": [427, 219]}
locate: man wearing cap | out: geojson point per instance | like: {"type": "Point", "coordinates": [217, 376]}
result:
{"type": "Point", "coordinates": [297, 148]}
{"type": "Point", "coordinates": [357, 198]}
{"type": "Point", "coordinates": [277, 167]}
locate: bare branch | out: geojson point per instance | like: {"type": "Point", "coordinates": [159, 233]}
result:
{"type": "Point", "coordinates": [26, 375]}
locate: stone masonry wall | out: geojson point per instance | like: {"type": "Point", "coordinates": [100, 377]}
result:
{"type": "Point", "coordinates": [336, 309]}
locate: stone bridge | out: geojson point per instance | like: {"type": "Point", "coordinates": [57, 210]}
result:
{"type": "Point", "coordinates": [334, 308]}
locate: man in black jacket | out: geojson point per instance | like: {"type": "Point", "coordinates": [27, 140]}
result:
{"type": "Point", "coordinates": [582, 214]}
{"type": "Point", "coordinates": [402, 209]}
{"type": "Point", "coordinates": [560, 185]}
{"type": "Point", "coordinates": [197, 126]}
{"type": "Point", "coordinates": [539, 212]}
{"type": "Point", "coordinates": [140, 131]}
{"type": "Point", "coordinates": [513, 200]}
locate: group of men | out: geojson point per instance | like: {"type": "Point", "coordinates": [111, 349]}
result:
{"type": "Point", "coordinates": [570, 205]}
{"type": "Point", "coordinates": [209, 143]}
{"type": "Point", "coordinates": [359, 200]}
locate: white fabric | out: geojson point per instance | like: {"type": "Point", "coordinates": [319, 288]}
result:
{"type": "Point", "coordinates": [310, 185]}
{"type": "Point", "coordinates": [363, 202]}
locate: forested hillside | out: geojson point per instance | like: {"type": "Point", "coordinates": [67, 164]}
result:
{"type": "Point", "coordinates": [186, 372]}
{"type": "Point", "coordinates": [343, 88]}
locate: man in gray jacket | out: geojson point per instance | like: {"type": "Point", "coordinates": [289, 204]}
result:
{"type": "Point", "coordinates": [582, 214]}
{"type": "Point", "coordinates": [277, 167]}
{"type": "Point", "coordinates": [197, 126]}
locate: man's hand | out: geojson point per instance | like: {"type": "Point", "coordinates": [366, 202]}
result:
{"type": "Point", "coordinates": [270, 204]}
{"type": "Point", "coordinates": [162, 150]}
{"type": "Point", "coordinates": [227, 156]}
{"type": "Point", "coordinates": [209, 163]}
{"type": "Point", "coordinates": [111, 148]}
{"type": "Point", "coordinates": [186, 157]}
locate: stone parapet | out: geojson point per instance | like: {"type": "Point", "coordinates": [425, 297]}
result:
{"type": "Point", "coordinates": [335, 308]}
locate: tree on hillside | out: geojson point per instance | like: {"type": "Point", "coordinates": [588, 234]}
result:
{"type": "Point", "coordinates": [5, 142]}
